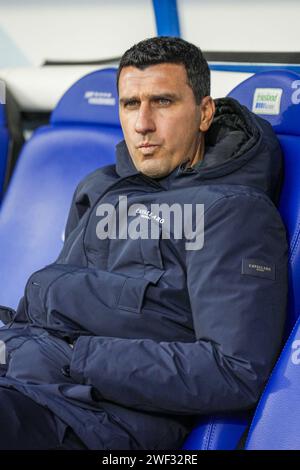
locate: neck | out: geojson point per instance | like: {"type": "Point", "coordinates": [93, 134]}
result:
{"type": "Point", "coordinates": [199, 153]}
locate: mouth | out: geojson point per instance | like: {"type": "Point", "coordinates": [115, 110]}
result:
{"type": "Point", "coordinates": [147, 148]}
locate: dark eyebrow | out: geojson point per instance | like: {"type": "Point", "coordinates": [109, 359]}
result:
{"type": "Point", "coordinates": [169, 96]}
{"type": "Point", "coordinates": [125, 100]}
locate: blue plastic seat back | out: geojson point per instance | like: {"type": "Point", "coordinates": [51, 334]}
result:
{"type": "Point", "coordinates": [81, 137]}
{"type": "Point", "coordinates": [274, 96]}
{"type": "Point", "coordinates": [4, 144]}
{"type": "Point", "coordinates": [220, 432]}
{"type": "Point", "coordinates": [276, 423]}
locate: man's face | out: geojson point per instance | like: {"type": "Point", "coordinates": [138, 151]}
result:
{"type": "Point", "coordinates": [160, 118]}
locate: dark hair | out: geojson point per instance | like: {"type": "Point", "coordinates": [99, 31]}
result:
{"type": "Point", "coordinates": [164, 49]}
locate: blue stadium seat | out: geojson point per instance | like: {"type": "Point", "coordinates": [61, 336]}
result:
{"type": "Point", "coordinates": [274, 96]}
{"type": "Point", "coordinates": [4, 143]}
{"type": "Point", "coordinates": [82, 134]}
{"type": "Point", "coordinates": [220, 432]}
{"type": "Point", "coordinates": [276, 423]}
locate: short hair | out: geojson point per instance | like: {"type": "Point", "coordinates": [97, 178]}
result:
{"type": "Point", "coordinates": [173, 50]}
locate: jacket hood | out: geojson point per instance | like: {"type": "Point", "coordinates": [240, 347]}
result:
{"type": "Point", "coordinates": [240, 148]}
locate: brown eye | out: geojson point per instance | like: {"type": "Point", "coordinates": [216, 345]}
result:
{"type": "Point", "coordinates": [131, 104]}
{"type": "Point", "coordinates": [163, 101]}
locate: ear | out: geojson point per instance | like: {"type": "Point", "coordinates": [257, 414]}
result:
{"type": "Point", "coordinates": [207, 113]}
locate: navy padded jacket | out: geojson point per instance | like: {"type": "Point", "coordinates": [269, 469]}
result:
{"type": "Point", "coordinates": [162, 333]}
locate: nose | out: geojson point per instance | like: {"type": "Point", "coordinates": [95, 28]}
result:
{"type": "Point", "coordinates": [145, 120]}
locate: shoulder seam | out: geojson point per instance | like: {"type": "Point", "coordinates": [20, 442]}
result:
{"type": "Point", "coordinates": [262, 197]}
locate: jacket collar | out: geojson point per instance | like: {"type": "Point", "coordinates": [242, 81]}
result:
{"type": "Point", "coordinates": [125, 168]}
{"type": "Point", "coordinates": [124, 164]}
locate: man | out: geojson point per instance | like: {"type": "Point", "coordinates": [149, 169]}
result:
{"type": "Point", "coordinates": [168, 299]}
